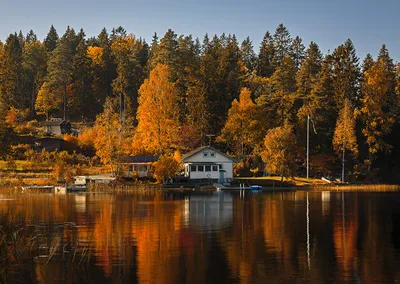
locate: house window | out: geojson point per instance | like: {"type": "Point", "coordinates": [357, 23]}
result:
{"type": "Point", "coordinates": [208, 168]}
{"type": "Point", "coordinates": [212, 155]}
{"type": "Point", "coordinates": [215, 168]}
{"type": "Point", "coordinates": [193, 168]}
{"type": "Point", "coordinates": [220, 167]}
{"type": "Point", "coordinates": [200, 168]}
{"type": "Point", "coordinates": [205, 154]}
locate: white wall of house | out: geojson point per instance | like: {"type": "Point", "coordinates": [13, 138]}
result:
{"type": "Point", "coordinates": [202, 158]}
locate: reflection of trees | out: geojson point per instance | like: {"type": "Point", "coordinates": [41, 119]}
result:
{"type": "Point", "coordinates": [153, 238]}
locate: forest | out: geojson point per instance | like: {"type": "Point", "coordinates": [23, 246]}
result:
{"type": "Point", "coordinates": [175, 93]}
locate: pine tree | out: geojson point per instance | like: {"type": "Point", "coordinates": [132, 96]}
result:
{"type": "Point", "coordinates": [308, 73]}
{"type": "Point", "coordinates": [265, 65]}
{"type": "Point", "coordinates": [247, 55]}
{"type": "Point", "coordinates": [59, 70]}
{"type": "Point", "coordinates": [51, 39]}
{"type": "Point", "coordinates": [298, 51]}
{"type": "Point", "coordinates": [284, 86]}
{"type": "Point", "coordinates": [11, 80]}
{"type": "Point", "coordinates": [81, 102]}
{"type": "Point", "coordinates": [127, 54]}
{"type": "Point", "coordinates": [346, 74]}
{"type": "Point", "coordinates": [34, 63]}
{"type": "Point", "coordinates": [282, 44]}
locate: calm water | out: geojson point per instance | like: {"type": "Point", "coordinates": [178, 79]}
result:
{"type": "Point", "coordinates": [289, 237]}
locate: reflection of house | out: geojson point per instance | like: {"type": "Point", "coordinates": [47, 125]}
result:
{"type": "Point", "coordinates": [207, 163]}
{"type": "Point", "coordinates": [57, 126]}
{"type": "Point", "coordinates": [136, 166]}
{"type": "Point", "coordinates": [209, 212]}
{"type": "Point", "coordinates": [49, 144]}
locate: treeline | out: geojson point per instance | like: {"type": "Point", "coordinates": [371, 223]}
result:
{"type": "Point", "coordinates": [171, 93]}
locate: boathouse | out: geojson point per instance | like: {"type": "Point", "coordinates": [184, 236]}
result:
{"type": "Point", "coordinates": [207, 164]}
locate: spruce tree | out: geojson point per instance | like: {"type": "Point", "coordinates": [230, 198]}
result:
{"type": "Point", "coordinates": [298, 51]}
{"type": "Point", "coordinates": [265, 66]}
{"type": "Point", "coordinates": [247, 55]}
{"type": "Point", "coordinates": [59, 70]}
{"type": "Point", "coordinates": [51, 39]}
{"type": "Point", "coordinates": [282, 43]}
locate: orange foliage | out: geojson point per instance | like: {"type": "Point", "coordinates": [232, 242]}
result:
{"type": "Point", "coordinates": [96, 55]}
{"type": "Point", "coordinates": [158, 127]}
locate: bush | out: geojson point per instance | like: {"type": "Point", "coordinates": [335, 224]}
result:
{"type": "Point", "coordinates": [165, 168]}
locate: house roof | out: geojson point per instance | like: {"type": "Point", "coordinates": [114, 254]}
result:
{"type": "Point", "coordinates": [139, 159]}
{"type": "Point", "coordinates": [199, 149]}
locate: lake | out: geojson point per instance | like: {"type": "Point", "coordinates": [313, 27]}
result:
{"type": "Point", "coordinates": [220, 237]}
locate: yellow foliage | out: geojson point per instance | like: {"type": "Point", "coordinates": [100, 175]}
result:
{"type": "Point", "coordinates": [157, 114]}
{"type": "Point", "coordinates": [166, 167]}
{"type": "Point", "coordinates": [47, 99]}
{"type": "Point", "coordinates": [96, 55]}
{"type": "Point", "coordinates": [242, 127]}
{"type": "Point", "coordinates": [279, 152]}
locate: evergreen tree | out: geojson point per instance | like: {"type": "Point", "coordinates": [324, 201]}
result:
{"type": "Point", "coordinates": [311, 67]}
{"type": "Point", "coordinates": [298, 50]}
{"type": "Point", "coordinates": [282, 44]}
{"type": "Point", "coordinates": [265, 65]}
{"type": "Point", "coordinates": [284, 86]}
{"type": "Point", "coordinates": [11, 80]}
{"type": "Point", "coordinates": [51, 39]}
{"type": "Point", "coordinates": [34, 63]}
{"type": "Point", "coordinates": [127, 52]}
{"type": "Point", "coordinates": [59, 70]}
{"type": "Point", "coordinates": [346, 74]}
{"type": "Point", "coordinates": [81, 102]}
{"type": "Point", "coordinates": [247, 55]}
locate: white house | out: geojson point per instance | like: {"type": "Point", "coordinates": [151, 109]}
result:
{"type": "Point", "coordinates": [207, 164]}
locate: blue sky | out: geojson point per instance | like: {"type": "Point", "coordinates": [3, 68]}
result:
{"type": "Point", "coordinates": [329, 23]}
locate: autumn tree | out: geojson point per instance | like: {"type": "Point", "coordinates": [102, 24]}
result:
{"type": "Point", "coordinates": [345, 133]}
{"type": "Point", "coordinates": [109, 137]}
{"type": "Point", "coordinates": [166, 168]}
{"type": "Point", "coordinates": [241, 128]}
{"type": "Point", "coordinates": [48, 99]}
{"type": "Point", "coordinates": [157, 115]}
{"type": "Point", "coordinates": [379, 105]}
{"type": "Point", "coordinates": [279, 152]}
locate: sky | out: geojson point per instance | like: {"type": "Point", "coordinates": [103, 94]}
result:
{"type": "Point", "coordinates": [368, 23]}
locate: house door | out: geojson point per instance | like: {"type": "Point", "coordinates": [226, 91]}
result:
{"type": "Point", "coordinates": [221, 176]}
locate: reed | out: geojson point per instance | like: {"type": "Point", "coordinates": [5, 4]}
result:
{"type": "Point", "coordinates": [359, 188]}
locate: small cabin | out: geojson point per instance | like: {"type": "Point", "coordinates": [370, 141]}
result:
{"type": "Point", "coordinates": [136, 166]}
{"type": "Point", "coordinates": [207, 164]}
{"type": "Point", "coordinates": [57, 126]}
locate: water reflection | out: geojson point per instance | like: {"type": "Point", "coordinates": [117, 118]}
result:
{"type": "Point", "coordinates": [210, 238]}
